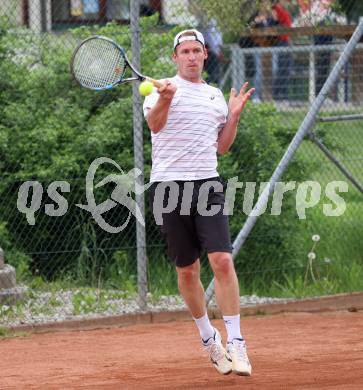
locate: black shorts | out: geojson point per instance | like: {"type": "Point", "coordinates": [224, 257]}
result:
{"type": "Point", "coordinates": [187, 235]}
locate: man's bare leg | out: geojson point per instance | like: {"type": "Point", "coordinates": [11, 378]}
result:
{"type": "Point", "coordinates": [192, 290]}
{"type": "Point", "coordinates": [226, 283]}
{"type": "Point", "coordinates": [227, 295]}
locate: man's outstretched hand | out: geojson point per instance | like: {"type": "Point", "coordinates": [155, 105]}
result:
{"type": "Point", "coordinates": [237, 101]}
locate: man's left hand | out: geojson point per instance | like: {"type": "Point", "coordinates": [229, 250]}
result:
{"type": "Point", "coordinates": [237, 101]}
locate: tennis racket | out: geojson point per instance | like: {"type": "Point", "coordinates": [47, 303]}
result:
{"type": "Point", "coordinates": [99, 63]}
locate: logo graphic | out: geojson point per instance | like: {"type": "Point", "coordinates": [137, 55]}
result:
{"type": "Point", "coordinates": [308, 194]}
{"type": "Point", "coordinates": [120, 195]}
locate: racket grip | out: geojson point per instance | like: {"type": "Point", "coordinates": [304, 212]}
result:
{"type": "Point", "coordinates": [156, 83]}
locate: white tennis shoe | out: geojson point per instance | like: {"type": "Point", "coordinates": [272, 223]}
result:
{"type": "Point", "coordinates": [218, 355]}
{"type": "Point", "coordinates": [240, 362]}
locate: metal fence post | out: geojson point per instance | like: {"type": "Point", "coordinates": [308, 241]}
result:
{"type": "Point", "coordinates": [43, 16]}
{"type": "Point", "coordinates": [242, 70]}
{"type": "Point", "coordinates": [234, 65]}
{"type": "Point", "coordinates": [2, 260]}
{"type": "Point", "coordinates": [311, 77]}
{"type": "Point", "coordinates": [138, 155]}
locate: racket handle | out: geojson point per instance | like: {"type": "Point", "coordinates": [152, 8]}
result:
{"type": "Point", "coordinates": [156, 83]}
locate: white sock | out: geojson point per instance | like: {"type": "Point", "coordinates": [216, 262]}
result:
{"type": "Point", "coordinates": [233, 327]}
{"type": "Point", "coordinates": [206, 329]}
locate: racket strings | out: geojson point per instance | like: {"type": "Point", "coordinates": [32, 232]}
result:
{"type": "Point", "coordinates": [98, 64]}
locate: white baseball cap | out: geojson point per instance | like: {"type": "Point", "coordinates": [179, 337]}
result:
{"type": "Point", "coordinates": [195, 35]}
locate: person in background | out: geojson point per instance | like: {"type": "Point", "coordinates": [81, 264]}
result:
{"type": "Point", "coordinates": [319, 13]}
{"type": "Point", "coordinates": [282, 61]}
{"type": "Point", "coordinates": [260, 19]}
{"type": "Point", "coordinates": [214, 42]}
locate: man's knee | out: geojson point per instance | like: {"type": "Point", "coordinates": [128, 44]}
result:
{"type": "Point", "coordinates": [222, 264]}
{"type": "Point", "coordinates": [189, 274]}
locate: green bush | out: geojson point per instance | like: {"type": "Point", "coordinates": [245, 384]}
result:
{"type": "Point", "coordinates": [51, 129]}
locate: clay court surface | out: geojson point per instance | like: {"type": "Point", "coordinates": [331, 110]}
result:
{"type": "Point", "coordinates": [287, 351]}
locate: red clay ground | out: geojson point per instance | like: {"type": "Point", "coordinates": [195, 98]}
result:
{"type": "Point", "coordinates": [287, 351]}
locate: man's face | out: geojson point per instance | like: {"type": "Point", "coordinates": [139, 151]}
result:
{"type": "Point", "coordinates": [189, 57]}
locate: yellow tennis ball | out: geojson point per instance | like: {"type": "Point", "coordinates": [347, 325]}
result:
{"type": "Point", "coordinates": [145, 88]}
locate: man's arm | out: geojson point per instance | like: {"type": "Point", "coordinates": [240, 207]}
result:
{"type": "Point", "coordinates": [158, 114]}
{"type": "Point", "coordinates": [236, 103]}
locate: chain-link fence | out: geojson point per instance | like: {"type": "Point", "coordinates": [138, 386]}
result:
{"type": "Point", "coordinates": [64, 150]}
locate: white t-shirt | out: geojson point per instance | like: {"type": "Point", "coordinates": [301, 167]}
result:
{"type": "Point", "coordinates": [186, 148]}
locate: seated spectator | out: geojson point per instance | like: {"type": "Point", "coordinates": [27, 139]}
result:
{"type": "Point", "coordinates": [213, 42]}
{"type": "Point", "coordinates": [262, 18]}
{"type": "Point", "coordinates": [319, 13]}
{"type": "Point", "coordinates": [282, 61]}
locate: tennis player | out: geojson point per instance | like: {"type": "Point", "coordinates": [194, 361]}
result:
{"type": "Point", "coordinates": [190, 122]}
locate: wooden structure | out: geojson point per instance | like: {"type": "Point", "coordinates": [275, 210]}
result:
{"type": "Point", "coordinates": [266, 37]}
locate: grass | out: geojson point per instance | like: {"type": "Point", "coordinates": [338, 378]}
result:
{"type": "Point", "coordinates": [340, 251]}
{"type": "Point", "coordinates": [6, 333]}
{"type": "Point", "coordinates": [341, 234]}
{"type": "Point", "coordinates": [12, 311]}
{"type": "Point", "coordinates": [162, 279]}
{"type": "Point", "coordinates": [87, 301]}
